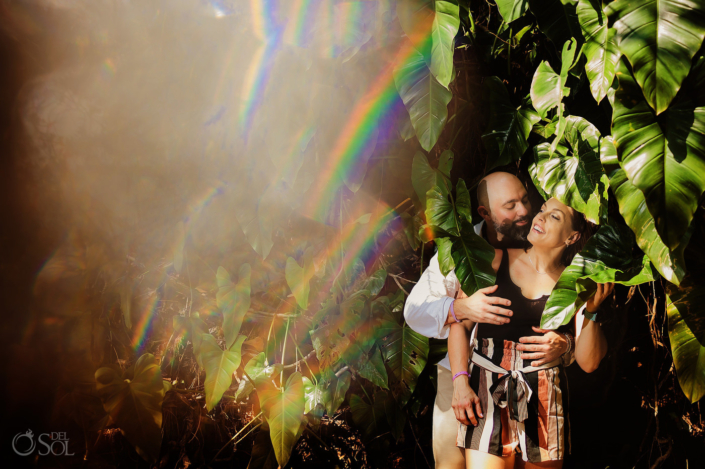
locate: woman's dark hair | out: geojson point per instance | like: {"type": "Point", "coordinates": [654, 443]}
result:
{"type": "Point", "coordinates": [586, 230]}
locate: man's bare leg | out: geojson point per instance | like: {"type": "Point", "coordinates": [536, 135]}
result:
{"type": "Point", "coordinates": [445, 426]}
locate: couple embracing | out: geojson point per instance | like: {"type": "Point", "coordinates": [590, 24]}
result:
{"type": "Point", "coordinates": [502, 391]}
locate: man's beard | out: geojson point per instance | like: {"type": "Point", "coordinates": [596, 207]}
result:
{"type": "Point", "coordinates": [511, 232]}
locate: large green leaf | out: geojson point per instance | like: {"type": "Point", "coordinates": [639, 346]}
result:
{"type": "Point", "coordinates": [472, 257]}
{"type": "Point", "coordinates": [574, 174]}
{"type": "Point", "coordinates": [135, 405]}
{"type": "Point", "coordinates": [233, 300]}
{"type": "Point", "coordinates": [431, 25]}
{"type": "Point", "coordinates": [632, 206]}
{"type": "Point", "coordinates": [600, 50]}
{"type": "Point", "coordinates": [255, 219]}
{"type": "Point", "coordinates": [557, 19]}
{"type": "Point", "coordinates": [512, 9]}
{"type": "Point", "coordinates": [607, 257]}
{"type": "Point", "coordinates": [313, 399]}
{"type": "Point", "coordinates": [405, 352]}
{"type": "Point", "coordinates": [660, 38]}
{"type": "Point", "coordinates": [284, 411]}
{"type": "Point", "coordinates": [424, 177]}
{"type": "Point", "coordinates": [425, 98]}
{"type": "Point", "coordinates": [298, 277]}
{"type": "Point", "coordinates": [690, 299]}
{"type": "Point", "coordinates": [508, 129]}
{"type": "Point", "coordinates": [334, 392]}
{"type": "Point", "coordinates": [445, 255]}
{"type": "Point", "coordinates": [440, 212]}
{"type": "Point", "coordinates": [366, 416]}
{"type": "Point", "coordinates": [259, 372]}
{"type": "Point", "coordinates": [396, 417]}
{"type": "Point", "coordinates": [687, 349]}
{"type": "Point", "coordinates": [191, 329]}
{"type": "Point", "coordinates": [219, 365]}
{"type": "Point", "coordinates": [329, 345]}
{"type": "Point", "coordinates": [663, 157]}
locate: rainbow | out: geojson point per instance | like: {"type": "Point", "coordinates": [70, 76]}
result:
{"type": "Point", "coordinates": [144, 326]}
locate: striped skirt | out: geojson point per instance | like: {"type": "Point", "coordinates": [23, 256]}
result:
{"type": "Point", "coordinates": [547, 429]}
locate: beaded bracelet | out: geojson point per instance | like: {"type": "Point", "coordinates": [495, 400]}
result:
{"type": "Point", "coordinates": [461, 373]}
{"type": "Point", "coordinates": [452, 311]}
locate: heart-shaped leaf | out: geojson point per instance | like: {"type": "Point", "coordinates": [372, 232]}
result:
{"type": "Point", "coordinates": [440, 212]}
{"type": "Point", "coordinates": [298, 277]}
{"type": "Point", "coordinates": [258, 372]}
{"type": "Point", "coordinates": [233, 300]}
{"type": "Point", "coordinates": [425, 98]}
{"type": "Point", "coordinates": [366, 416]}
{"type": "Point", "coordinates": [472, 257]}
{"type": "Point", "coordinates": [219, 365]}
{"type": "Point", "coordinates": [601, 50]}
{"type": "Point", "coordinates": [667, 165]}
{"type": "Point", "coordinates": [660, 38]}
{"type": "Point", "coordinates": [512, 9]}
{"type": "Point", "coordinates": [135, 406]}
{"type": "Point", "coordinates": [424, 177]}
{"type": "Point", "coordinates": [687, 349]}
{"type": "Point", "coordinates": [313, 399]}
{"type": "Point", "coordinates": [284, 411]}
{"type": "Point", "coordinates": [334, 392]}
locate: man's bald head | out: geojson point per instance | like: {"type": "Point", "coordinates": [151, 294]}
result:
{"type": "Point", "coordinates": [504, 204]}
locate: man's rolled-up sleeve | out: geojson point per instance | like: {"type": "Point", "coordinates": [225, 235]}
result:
{"type": "Point", "coordinates": [426, 308]}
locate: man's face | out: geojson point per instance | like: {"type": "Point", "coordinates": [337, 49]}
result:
{"type": "Point", "coordinates": [511, 212]}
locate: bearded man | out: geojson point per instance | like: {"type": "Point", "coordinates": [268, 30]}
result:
{"type": "Point", "coordinates": [504, 205]}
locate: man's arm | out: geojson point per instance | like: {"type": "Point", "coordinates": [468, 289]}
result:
{"type": "Point", "coordinates": [428, 306]}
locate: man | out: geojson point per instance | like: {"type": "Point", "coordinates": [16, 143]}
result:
{"type": "Point", "coordinates": [504, 206]}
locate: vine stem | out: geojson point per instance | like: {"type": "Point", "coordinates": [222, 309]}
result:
{"type": "Point", "coordinates": [235, 436]}
{"type": "Point", "coordinates": [286, 334]}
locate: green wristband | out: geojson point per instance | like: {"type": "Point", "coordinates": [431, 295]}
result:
{"type": "Point", "coordinates": [591, 316]}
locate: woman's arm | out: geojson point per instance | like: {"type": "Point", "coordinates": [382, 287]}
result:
{"type": "Point", "coordinates": [464, 398]}
{"type": "Point", "coordinates": [591, 344]}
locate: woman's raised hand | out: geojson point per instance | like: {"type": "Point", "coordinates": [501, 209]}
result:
{"type": "Point", "coordinates": [604, 290]}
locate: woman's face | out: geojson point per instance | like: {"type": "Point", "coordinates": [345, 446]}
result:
{"type": "Point", "coordinates": [553, 225]}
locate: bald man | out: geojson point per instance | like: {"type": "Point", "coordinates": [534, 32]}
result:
{"type": "Point", "coordinates": [504, 205]}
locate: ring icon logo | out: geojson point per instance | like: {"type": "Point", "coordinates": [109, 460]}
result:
{"type": "Point", "coordinates": [16, 443]}
{"type": "Point", "coordinates": [55, 443]}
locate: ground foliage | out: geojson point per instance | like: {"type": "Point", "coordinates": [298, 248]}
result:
{"type": "Point", "coordinates": [292, 349]}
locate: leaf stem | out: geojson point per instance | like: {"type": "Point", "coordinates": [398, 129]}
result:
{"type": "Point", "coordinates": [235, 436]}
{"type": "Point", "coordinates": [281, 377]}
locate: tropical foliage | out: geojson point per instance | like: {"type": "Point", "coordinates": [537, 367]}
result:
{"type": "Point", "coordinates": [309, 306]}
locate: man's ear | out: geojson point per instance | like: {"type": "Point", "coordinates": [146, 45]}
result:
{"type": "Point", "coordinates": [484, 213]}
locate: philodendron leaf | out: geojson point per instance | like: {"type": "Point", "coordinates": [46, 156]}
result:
{"type": "Point", "coordinates": [219, 365]}
{"type": "Point", "coordinates": [258, 372]}
{"type": "Point", "coordinates": [557, 19]}
{"type": "Point", "coordinates": [660, 38]}
{"type": "Point", "coordinates": [472, 259]}
{"type": "Point", "coordinates": [690, 300]}
{"type": "Point", "coordinates": [508, 128]}
{"type": "Point", "coordinates": [607, 257]}
{"type": "Point", "coordinates": [445, 255]}
{"type": "Point", "coordinates": [191, 328]}
{"type": "Point", "coordinates": [687, 349]}
{"type": "Point", "coordinates": [368, 417]}
{"type": "Point", "coordinates": [375, 282]}
{"type": "Point", "coordinates": [424, 97]}
{"type": "Point", "coordinates": [664, 158]}
{"type": "Point", "coordinates": [632, 206]}
{"type": "Point", "coordinates": [440, 212]}
{"type": "Point", "coordinates": [298, 277]}
{"type": "Point", "coordinates": [601, 50]}
{"type": "Point", "coordinates": [431, 25]}
{"type": "Point", "coordinates": [405, 352]}
{"type": "Point", "coordinates": [284, 411]}
{"type": "Point", "coordinates": [371, 368]}
{"type": "Point", "coordinates": [135, 406]}
{"type": "Point", "coordinates": [424, 177]}
{"type": "Point", "coordinates": [233, 300]}
{"type": "Point", "coordinates": [512, 9]}
{"type": "Point", "coordinates": [574, 174]}
{"type": "Point", "coordinates": [334, 392]}
{"type": "Point", "coordinates": [313, 399]}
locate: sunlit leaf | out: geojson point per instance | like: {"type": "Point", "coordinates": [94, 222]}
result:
{"type": "Point", "coordinates": [233, 300]}
{"type": "Point", "coordinates": [665, 157]}
{"type": "Point", "coordinates": [424, 97]}
{"type": "Point", "coordinates": [660, 38]}
{"type": "Point", "coordinates": [219, 365]}
{"type": "Point", "coordinates": [440, 212]}
{"type": "Point", "coordinates": [687, 349]}
{"type": "Point", "coordinates": [472, 257]}
{"type": "Point", "coordinates": [298, 277]}
{"type": "Point", "coordinates": [284, 411]}
{"type": "Point", "coordinates": [313, 399]}
{"type": "Point", "coordinates": [512, 9]}
{"type": "Point", "coordinates": [334, 392]}
{"type": "Point", "coordinates": [607, 257]}
{"type": "Point", "coordinates": [601, 49]}
{"type": "Point", "coordinates": [424, 177]}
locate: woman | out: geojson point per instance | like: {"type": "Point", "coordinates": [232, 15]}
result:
{"type": "Point", "coordinates": [521, 408]}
